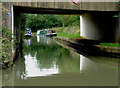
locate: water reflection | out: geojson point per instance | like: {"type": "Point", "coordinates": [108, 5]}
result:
{"type": "Point", "coordinates": [86, 64]}
{"type": "Point", "coordinates": [81, 63]}
{"type": "Point", "coordinates": [34, 69]}
{"type": "Point", "coordinates": [44, 40]}
{"type": "Point", "coordinates": [27, 41]}
{"type": "Point", "coordinates": [46, 60]}
{"type": "Point", "coordinates": [49, 64]}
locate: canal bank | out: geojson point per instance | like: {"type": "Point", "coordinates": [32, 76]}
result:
{"type": "Point", "coordinates": [91, 47]}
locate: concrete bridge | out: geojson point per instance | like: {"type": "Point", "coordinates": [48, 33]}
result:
{"type": "Point", "coordinates": [97, 19]}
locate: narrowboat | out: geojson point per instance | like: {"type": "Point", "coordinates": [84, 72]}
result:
{"type": "Point", "coordinates": [51, 33]}
{"type": "Point", "coordinates": [41, 32]}
{"type": "Point", "coordinates": [28, 32]}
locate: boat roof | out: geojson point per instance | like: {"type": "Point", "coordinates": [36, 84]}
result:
{"type": "Point", "coordinates": [28, 28]}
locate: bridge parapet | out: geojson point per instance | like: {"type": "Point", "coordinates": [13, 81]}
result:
{"type": "Point", "coordinates": [84, 6]}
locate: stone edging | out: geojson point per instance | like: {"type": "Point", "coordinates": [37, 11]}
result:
{"type": "Point", "coordinates": [115, 52]}
{"type": "Point", "coordinates": [108, 49]}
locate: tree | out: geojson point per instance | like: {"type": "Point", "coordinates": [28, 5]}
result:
{"type": "Point", "coordinates": [39, 22]}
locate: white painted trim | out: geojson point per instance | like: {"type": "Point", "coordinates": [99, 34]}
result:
{"type": "Point", "coordinates": [12, 21]}
{"type": "Point", "coordinates": [12, 14]}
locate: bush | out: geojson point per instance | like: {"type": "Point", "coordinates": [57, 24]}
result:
{"type": "Point", "coordinates": [6, 47]}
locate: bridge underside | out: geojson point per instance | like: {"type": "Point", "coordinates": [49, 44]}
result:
{"type": "Point", "coordinates": [17, 10]}
{"type": "Point", "coordinates": [34, 10]}
{"type": "Point", "coordinates": [102, 26]}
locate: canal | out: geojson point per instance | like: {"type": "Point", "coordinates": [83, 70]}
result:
{"type": "Point", "coordinates": [44, 62]}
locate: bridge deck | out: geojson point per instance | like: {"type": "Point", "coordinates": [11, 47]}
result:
{"type": "Point", "coordinates": [86, 6]}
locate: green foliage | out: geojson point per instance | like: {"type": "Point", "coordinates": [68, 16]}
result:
{"type": "Point", "coordinates": [11, 63]}
{"type": "Point", "coordinates": [39, 22]}
{"type": "Point", "coordinates": [110, 44]}
{"type": "Point", "coordinates": [6, 33]}
{"type": "Point", "coordinates": [69, 20]}
{"type": "Point", "coordinates": [68, 32]}
{"type": "Point", "coordinates": [6, 47]}
{"type": "Point", "coordinates": [23, 21]}
{"type": "Point", "coordinates": [63, 23]}
{"type": "Point", "coordinates": [68, 35]}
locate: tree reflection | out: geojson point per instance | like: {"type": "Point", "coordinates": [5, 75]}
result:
{"type": "Point", "coordinates": [47, 54]}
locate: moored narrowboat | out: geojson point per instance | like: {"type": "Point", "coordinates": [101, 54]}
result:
{"type": "Point", "coordinates": [51, 33]}
{"type": "Point", "coordinates": [28, 32]}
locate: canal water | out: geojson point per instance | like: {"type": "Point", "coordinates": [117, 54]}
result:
{"type": "Point", "coordinates": [44, 62]}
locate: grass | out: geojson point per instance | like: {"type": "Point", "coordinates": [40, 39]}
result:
{"type": "Point", "coordinates": [69, 35]}
{"type": "Point", "coordinates": [110, 44]}
{"type": "Point", "coordinates": [68, 32]}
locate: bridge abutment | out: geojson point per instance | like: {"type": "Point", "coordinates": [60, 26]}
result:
{"type": "Point", "coordinates": [102, 26]}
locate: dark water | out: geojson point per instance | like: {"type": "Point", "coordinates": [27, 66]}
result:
{"type": "Point", "coordinates": [45, 63]}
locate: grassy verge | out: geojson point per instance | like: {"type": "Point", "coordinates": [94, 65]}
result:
{"type": "Point", "coordinates": [68, 35]}
{"type": "Point", "coordinates": [110, 44]}
{"type": "Point", "coordinates": [68, 32]}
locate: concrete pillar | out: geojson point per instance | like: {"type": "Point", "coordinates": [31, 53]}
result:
{"type": "Point", "coordinates": [100, 26]}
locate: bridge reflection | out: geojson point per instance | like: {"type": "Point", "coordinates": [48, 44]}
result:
{"type": "Point", "coordinates": [33, 68]}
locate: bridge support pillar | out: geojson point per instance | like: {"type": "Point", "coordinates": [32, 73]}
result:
{"type": "Point", "coordinates": [102, 26]}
